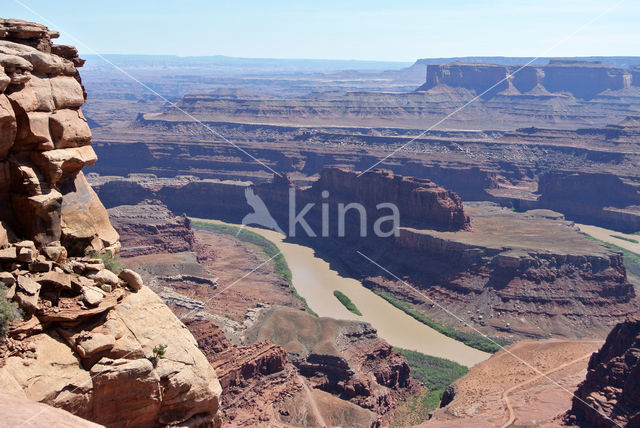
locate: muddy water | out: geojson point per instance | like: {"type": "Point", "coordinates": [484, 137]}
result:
{"type": "Point", "coordinates": [315, 281]}
{"type": "Point", "coordinates": [610, 236]}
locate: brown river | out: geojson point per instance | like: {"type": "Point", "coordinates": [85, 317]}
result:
{"type": "Point", "coordinates": [315, 281]}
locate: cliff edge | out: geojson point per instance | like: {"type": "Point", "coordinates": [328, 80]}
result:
{"type": "Point", "coordinates": [87, 340]}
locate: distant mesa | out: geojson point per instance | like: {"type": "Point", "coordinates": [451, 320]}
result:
{"type": "Point", "coordinates": [581, 79]}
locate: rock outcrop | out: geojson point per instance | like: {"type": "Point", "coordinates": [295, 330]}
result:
{"type": "Point", "coordinates": [87, 341]}
{"type": "Point", "coordinates": [341, 357]}
{"type": "Point", "coordinates": [149, 227]}
{"type": "Point", "coordinates": [421, 202]}
{"type": "Point", "coordinates": [45, 142]}
{"type": "Point", "coordinates": [610, 395]}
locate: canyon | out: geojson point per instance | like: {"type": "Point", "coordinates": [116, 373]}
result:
{"type": "Point", "coordinates": [529, 274]}
{"type": "Point", "coordinates": [203, 324]}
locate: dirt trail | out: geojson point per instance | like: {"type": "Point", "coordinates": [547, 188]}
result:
{"type": "Point", "coordinates": [505, 394]}
{"type": "Point", "coordinates": [312, 403]}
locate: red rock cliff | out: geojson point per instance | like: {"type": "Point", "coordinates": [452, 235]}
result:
{"type": "Point", "coordinates": [45, 143]}
{"type": "Point", "coordinates": [610, 395]}
{"type": "Point", "coordinates": [85, 338]}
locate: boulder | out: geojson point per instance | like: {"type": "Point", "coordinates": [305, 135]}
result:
{"type": "Point", "coordinates": [7, 279]}
{"type": "Point", "coordinates": [85, 222]}
{"type": "Point", "coordinates": [34, 96]}
{"type": "Point", "coordinates": [56, 280]}
{"type": "Point", "coordinates": [67, 92]}
{"type": "Point", "coordinates": [133, 279]}
{"type": "Point", "coordinates": [27, 302]}
{"type": "Point", "coordinates": [125, 390]}
{"type": "Point", "coordinates": [105, 276]}
{"type": "Point", "coordinates": [39, 215]}
{"type": "Point", "coordinates": [28, 286]}
{"type": "Point", "coordinates": [4, 238]}
{"type": "Point", "coordinates": [33, 132]}
{"type": "Point", "coordinates": [92, 296]}
{"type": "Point", "coordinates": [40, 266]}
{"type": "Point", "coordinates": [8, 254]}
{"type": "Point", "coordinates": [59, 163]}
{"type": "Point", "coordinates": [55, 252]}
{"type": "Point", "coordinates": [93, 346]}
{"type": "Point", "coordinates": [8, 126]}
{"type": "Point", "coordinates": [69, 128]}
{"type": "Point", "coordinates": [27, 255]}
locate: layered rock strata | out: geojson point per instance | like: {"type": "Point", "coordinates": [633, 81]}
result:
{"type": "Point", "coordinates": [45, 142]}
{"type": "Point", "coordinates": [582, 79]}
{"type": "Point", "coordinates": [149, 227]}
{"type": "Point", "coordinates": [340, 357]}
{"type": "Point", "coordinates": [87, 340]}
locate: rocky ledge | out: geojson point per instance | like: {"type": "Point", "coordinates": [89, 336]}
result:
{"type": "Point", "coordinates": [149, 227]}
{"type": "Point", "coordinates": [87, 342]}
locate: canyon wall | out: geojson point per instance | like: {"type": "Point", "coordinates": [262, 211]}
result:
{"type": "Point", "coordinates": [420, 202]}
{"type": "Point", "coordinates": [86, 339]}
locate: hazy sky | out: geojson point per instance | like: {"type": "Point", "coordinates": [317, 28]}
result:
{"type": "Point", "coordinates": [346, 29]}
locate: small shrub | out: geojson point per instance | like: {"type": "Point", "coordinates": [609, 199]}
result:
{"type": "Point", "coordinates": [111, 263]}
{"type": "Point", "coordinates": [8, 312]}
{"type": "Point", "coordinates": [159, 351]}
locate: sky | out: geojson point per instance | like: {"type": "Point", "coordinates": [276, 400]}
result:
{"type": "Point", "coordinates": [346, 29]}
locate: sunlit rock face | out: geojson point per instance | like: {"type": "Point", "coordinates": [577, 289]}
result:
{"type": "Point", "coordinates": [45, 142]}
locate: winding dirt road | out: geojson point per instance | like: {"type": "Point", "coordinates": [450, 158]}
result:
{"type": "Point", "coordinates": [505, 394]}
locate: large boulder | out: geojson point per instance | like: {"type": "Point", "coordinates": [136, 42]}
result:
{"type": "Point", "coordinates": [85, 222]}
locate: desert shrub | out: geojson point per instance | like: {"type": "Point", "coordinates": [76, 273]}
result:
{"type": "Point", "coordinates": [435, 374]}
{"type": "Point", "coordinates": [624, 238]}
{"type": "Point", "coordinates": [112, 263]}
{"type": "Point", "coordinates": [159, 352]}
{"type": "Point", "coordinates": [8, 312]}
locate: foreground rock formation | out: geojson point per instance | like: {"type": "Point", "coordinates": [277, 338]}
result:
{"type": "Point", "coordinates": [16, 410]}
{"type": "Point", "coordinates": [610, 395]}
{"type": "Point", "coordinates": [87, 341]}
